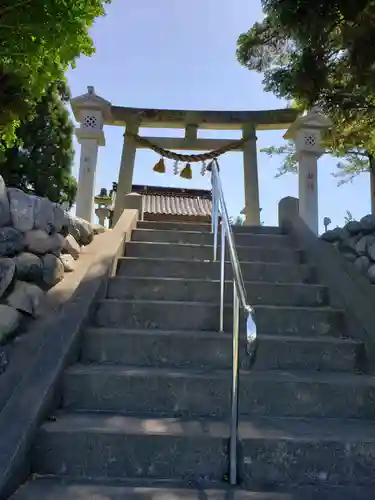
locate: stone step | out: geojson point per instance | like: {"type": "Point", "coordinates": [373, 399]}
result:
{"type": "Point", "coordinates": [190, 290]}
{"type": "Point", "coordinates": [323, 452]}
{"type": "Point", "coordinates": [64, 489]}
{"type": "Point", "coordinates": [273, 451]}
{"type": "Point", "coordinates": [197, 393]}
{"type": "Point", "coordinates": [205, 350]}
{"type": "Point", "coordinates": [205, 238]}
{"type": "Point", "coordinates": [173, 315]}
{"type": "Point", "coordinates": [206, 228]}
{"type": "Point", "coordinates": [254, 271]}
{"type": "Point", "coordinates": [151, 250]}
{"type": "Point", "coordinates": [114, 446]}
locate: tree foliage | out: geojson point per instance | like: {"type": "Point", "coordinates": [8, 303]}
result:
{"type": "Point", "coordinates": [348, 217]}
{"type": "Point", "coordinates": [350, 143]}
{"type": "Point", "coordinates": [42, 165]}
{"type": "Point", "coordinates": [350, 163]}
{"type": "Point", "coordinates": [320, 53]}
{"type": "Point", "coordinates": [237, 221]}
{"type": "Point", "coordinates": [38, 41]}
{"type": "Point", "coordinates": [317, 52]}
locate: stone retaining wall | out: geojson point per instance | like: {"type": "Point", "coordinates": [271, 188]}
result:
{"type": "Point", "coordinates": [356, 242]}
{"type": "Point", "coordinates": [39, 243]}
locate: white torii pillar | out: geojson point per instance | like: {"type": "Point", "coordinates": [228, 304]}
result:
{"type": "Point", "coordinates": [125, 176]}
{"type": "Point", "coordinates": [251, 182]}
{"type": "Point", "coordinates": [306, 132]}
{"type": "Point", "coordinates": [91, 111]}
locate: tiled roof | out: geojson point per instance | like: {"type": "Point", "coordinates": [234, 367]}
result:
{"type": "Point", "coordinates": [176, 205]}
{"type": "Point", "coordinates": [160, 200]}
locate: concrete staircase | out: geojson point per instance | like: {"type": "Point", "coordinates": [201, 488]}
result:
{"type": "Point", "coordinates": [144, 414]}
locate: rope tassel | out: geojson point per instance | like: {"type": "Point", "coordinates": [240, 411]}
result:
{"type": "Point", "coordinates": [175, 168]}
{"type": "Point", "coordinates": [203, 169]}
{"type": "Point", "coordinates": [160, 167]}
{"type": "Point", "coordinates": [186, 172]}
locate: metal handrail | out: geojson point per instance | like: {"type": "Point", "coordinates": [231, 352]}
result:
{"type": "Point", "coordinates": [239, 301]}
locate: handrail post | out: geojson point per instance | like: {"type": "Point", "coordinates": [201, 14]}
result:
{"type": "Point", "coordinates": [213, 205]}
{"type": "Point", "coordinates": [239, 300]}
{"type": "Point", "coordinates": [235, 385]}
{"type": "Point", "coordinates": [222, 277]}
{"type": "Point", "coordinates": [215, 214]}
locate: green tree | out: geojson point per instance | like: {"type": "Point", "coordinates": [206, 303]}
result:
{"type": "Point", "coordinates": [38, 41]}
{"type": "Point", "coordinates": [327, 61]}
{"type": "Point", "coordinates": [42, 165]}
{"type": "Point", "coordinates": [236, 221]}
{"type": "Point", "coordinates": [316, 52]}
{"type": "Point", "coordinates": [239, 220]}
{"type": "Point", "coordinates": [350, 163]}
{"type": "Point", "coordinates": [348, 217]}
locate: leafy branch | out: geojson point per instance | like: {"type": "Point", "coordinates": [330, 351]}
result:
{"type": "Point", "coordinates": [356, 161]}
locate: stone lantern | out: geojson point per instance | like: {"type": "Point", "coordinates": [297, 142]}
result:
{"type": "Point", "coordinates": [91, 111]}
{"type": "Point", "coordinates": [104, 202]}
{"type": "Point", "coordinates": [307, 134]}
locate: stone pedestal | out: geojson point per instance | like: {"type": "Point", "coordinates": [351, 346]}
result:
{"type": "Point", "coordinates": [308, 190]}
{"type": "Point", "coordinates": [134, 201]}
{"type": "Point", "coordinates": [86, 177]}
{"type": "Point", "coordinates": [288, 209]}
{"type": "Point", "coordinates": [103, 213]}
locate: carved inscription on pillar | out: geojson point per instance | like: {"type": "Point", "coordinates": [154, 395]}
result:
{"type": "Point", "coordinates": [310, 181]}
{"type": "Point", "coordinates": [86, 162]}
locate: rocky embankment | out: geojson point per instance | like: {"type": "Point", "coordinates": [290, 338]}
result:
{"type": "Point", "coordinates": [39, 243]}
{"type": "Point", "coordinates": [356, 242]}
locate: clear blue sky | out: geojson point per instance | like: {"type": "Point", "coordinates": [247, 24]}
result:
{"type": "Point", "coordinates": [181, 54]}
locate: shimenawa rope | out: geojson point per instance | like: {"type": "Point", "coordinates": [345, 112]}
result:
{"type": "Point", "coordinates": [188, 158]}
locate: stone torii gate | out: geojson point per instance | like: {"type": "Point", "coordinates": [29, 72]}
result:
{"type": "Point", "coordinates": [93, 112]}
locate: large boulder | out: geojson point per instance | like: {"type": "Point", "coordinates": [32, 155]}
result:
{"type": "Point", "coordinates": [99, 229]}
{"type": "Point", "coordinates": [353, 227]}
{"type": "Point", "coordinates": [7, 270]}
{"type": "Point", "coordinates": [57, 243]}
{"type": "Point", "coordinates": [11, 241]}
{"type": "Point", "coordinates": [5, 219]}
{"type": "Point", "coordinates": [350, 256]}
{"type": "Point", "coordinates": [362, 264]}
{"type": "Point", "coordinates": [356, 243]}
{"type": "Point", "coordinates": [333, 235]}
{"type": "Point", "coordinates": [21, 209]}
{"type": "Point", "coordinates": [10, 319]}
{"type": "Point", "coordinates": [29, 267]}
{"type": "Point", "coordinates": [371, 251]}
{"type": "Point", "coordinates": [60, 217]}
{"type": "Point", "coordinates": [368, 223]}
{"type": "Point", "coordinates": [71, 247]}
{"type": "Point", "coordinates": [53, 270]}
{"type": "Point", "coordinates": [3, 361]}
{"type": "Point", "coordinates": [371, 273]}
{"type": "Point", "coordinates": [68, 262]}
{"type": "Point", "coordinates": [26, 297]}
{"type": "Point", "coordinates": [71, 227]}
{"type": "Point", "coordinates": [44, 215]}
{"type": "Point", "coordinates": [39, 242]}
{"type": "Point", "coordinates": [364, 243]}
{"type": "Point", "coordinates": [349, 243]}
{"type": "Point", "coordinates": [81, 230]}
